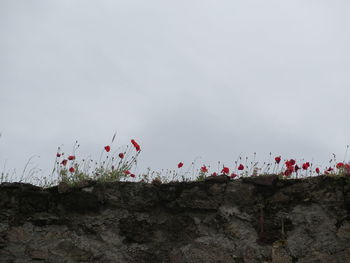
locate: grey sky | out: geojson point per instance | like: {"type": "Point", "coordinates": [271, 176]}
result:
{"type": "Point", "coordinates": [183, 78]}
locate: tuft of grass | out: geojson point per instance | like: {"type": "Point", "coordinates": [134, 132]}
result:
{"type": "Point", "coordinates": [112, 166]}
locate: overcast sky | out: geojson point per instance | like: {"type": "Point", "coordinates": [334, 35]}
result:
{"type": "Point", "coordinates": [185, 79]}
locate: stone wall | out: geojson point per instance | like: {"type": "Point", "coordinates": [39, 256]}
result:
{"type": "Point", "coordinates": [261, 219]}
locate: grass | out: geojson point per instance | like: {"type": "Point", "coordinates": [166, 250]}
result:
{"type": "Point", "coordinates": [118, 165]}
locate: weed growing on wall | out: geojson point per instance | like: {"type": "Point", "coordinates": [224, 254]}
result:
{"type": "Point", "coordinates": [119, 165]}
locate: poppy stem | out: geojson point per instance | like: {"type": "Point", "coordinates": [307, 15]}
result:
{"type": "Point", "coordinates": [346, 153]}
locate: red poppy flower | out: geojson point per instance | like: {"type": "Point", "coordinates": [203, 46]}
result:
{"type": "Point", "coordinates": [339, 165]}
{"type": "Point", "coordinates": [204, 169]}
{"type": "Point", "coordinates": [71, 157]}
{"type": "Point", "coordinates": [132, 175]}
{"type": "Point", "coordinates": [64, 162]}
{"type": "Point", "coordinates": [290, 169]}
{"type": "Point", "coordinates": [72, 169]}
{"type": "Point", "coordinates": [287, 172]}
{"type": "Point", "coordinates": [233, 175]}
{"type": "Point", "coordinates": [121, 155]}
{"type": "Point", "coordinates": [240, 167]}
{"type": "Point", "coordinates": [317, 170]}
{"type": "Point", "coordinates": [179, 165]}
{"type": "Point", "coordinates": [136, 145]}
{"type": "Point", "coordinates": [127, 172]}
{"type": "Point", "coordinates": [58, 155]}
{"type": "Point", "coordinates": [278, 159]}
{"type": "Point", "coordinates": [225, 170]}
{"type": "Point", "coordinates": [330, 169]}
{"type": "Point", "coordinates": [107, 148]}
{"type": "Point", "coordinates": [305, 166]}
{"type": "Point", "coordinates": [214, 174]}
{"type": "Point", "coordinates": [292, 161]}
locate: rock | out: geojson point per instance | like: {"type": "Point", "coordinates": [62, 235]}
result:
{"type": "Point", "coordinates": [215, 220]}
{"type": "Point", "coordinates": [209, 253]}
{"type": "Point", "coordinates": [17, 235]}
{"type": "Point", "coordinates": [219, 179]}
{"type": "Point", "coordinates": [280, 254]}
{"type": "Point", "coordinates": [39, 254]}
{"type": "Point", "coordinates": [317, 257]}
{"type": "Point", "coordinates": [264, 180]}
{"type": "Point", "coordinates": [344, 231]}
{"type": "Point", "coordinates": [63, 187]}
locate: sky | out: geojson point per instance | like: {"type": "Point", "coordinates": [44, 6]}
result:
{"type": "Point", "coordinates": [188, 80]}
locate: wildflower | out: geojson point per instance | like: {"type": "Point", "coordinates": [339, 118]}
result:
{"type": "Point", "coordinates": [287, 172]}
{"type": "Point", "coordinates": [278, 159]}
{"type": "Point", "coordinates": [71, 157]}
{"type": "Point", "coordinates": [107, 148]}
{"type": "Point", "coordinates": [180, 164]}
{"type": "Point", "coordinates": [72, 169]}
{"type": "Point", "coordinates": [204, 169]}
{"type": "Point", "coordinates": [290, 169]}
{"type": "Point", "coordinates": [289, 166]}
{"type": "Point", "coordinates": [121, 155]}
{"type": "Point", "coordinates": [317, 170]}
{"type": "Point", "coordinates": [136, 145]}
{"type": "Point", "coordinates": [233, 175]}
{"type": "Point", "coordinates": [132, 175]}
{"type": "Point", "coordinates": [214, 174]}
{"type": "Point", "coordinates": [127, 172]}
{"type": "Point", "coordinates": [240, 167]}
{"type": "Point", "coordinates": [339, 165]}
{"type": "Point", "coordinates": [225, 170]}
{"type": "Point", "coordinates": [58, 155]}
{"type": "Point", "coordinates": [64, 162]}
{"type": "Point", "coordinates": [329, 169]}
{"type": "Point", "coordinates": [290, 162]}
{"type": "Point", "coordinates": [305, 166]}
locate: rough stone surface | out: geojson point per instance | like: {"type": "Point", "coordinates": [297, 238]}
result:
{"type": "Point", "coordinates": [262, 219]}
